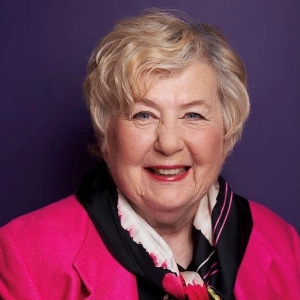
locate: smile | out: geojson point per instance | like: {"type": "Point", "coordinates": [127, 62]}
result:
{"type": "Point", "coordinates": [168, 173]}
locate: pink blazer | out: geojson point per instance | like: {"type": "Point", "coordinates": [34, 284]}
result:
{"type": "Point", "coordinates": [56, 253]}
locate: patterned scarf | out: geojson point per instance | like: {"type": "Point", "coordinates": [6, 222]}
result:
{"type": "Point", "coordinates": [135, 244]}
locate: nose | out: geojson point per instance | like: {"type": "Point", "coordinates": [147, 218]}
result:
{"type": "Point", "coordinates": [168, 138]}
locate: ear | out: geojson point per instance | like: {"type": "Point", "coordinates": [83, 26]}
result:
{"type": "Point", "coordinates": [103, 149]}
{"type": "Point", "coordinates": [228, 146]}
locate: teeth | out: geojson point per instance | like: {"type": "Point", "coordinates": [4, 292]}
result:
{"type": "Point", "coordinates": [169, 171]}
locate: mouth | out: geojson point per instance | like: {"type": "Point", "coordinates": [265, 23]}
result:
{"type": "Point", "coordinates": [168, 173]}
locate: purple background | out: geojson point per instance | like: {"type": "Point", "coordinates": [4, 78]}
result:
{"type": "Point", "coordinates": [45, 128]}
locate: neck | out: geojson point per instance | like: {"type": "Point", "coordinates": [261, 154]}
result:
{"type": "Point", "coordinates": [177, 233]}
{"type": "Point", "coordinates": [181, 243]}
{"type": "Point", "coordinates": [175, 227]}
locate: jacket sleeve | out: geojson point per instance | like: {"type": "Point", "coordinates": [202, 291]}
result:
{"type": "Point", "coordinates": [15, 279]}
{"type": "Point", "coordinates": [37, 252]}
{"type": "Point", "coordinates": [285, 270]}
{"type": "Point", "coordinates": [271, 265]}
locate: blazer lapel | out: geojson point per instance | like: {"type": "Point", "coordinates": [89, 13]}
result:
{"type": "Point", "coordinates": [102, 275]}
{"type": "Point", "coordinates": [252, 280]}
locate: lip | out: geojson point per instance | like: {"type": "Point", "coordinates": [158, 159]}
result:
{"type": "Point", "coordinates": [180, 172]}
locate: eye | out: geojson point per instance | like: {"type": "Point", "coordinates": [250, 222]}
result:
{"type": "Point", "coordinates": [193, 116]}
{"type": "Point", "coordinates": [142, 115]}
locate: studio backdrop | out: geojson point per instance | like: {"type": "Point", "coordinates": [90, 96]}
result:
{"type": "Point", "coordinates": [45, 128]}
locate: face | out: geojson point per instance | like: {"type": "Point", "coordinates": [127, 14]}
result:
{"type": "Point", "coordinates": [168, 150]}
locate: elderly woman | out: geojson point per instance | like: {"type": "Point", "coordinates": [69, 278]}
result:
{"type": "Point", "coordinates": [154, 219]}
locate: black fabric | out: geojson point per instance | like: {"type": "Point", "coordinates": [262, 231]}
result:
{"type": "Point", "coordinates": [231, 218]}
{"type": "Point", "coordinates": [232, 242]}
{"type": "Point", "coordinates": [98, 195]}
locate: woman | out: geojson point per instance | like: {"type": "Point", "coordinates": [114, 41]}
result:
{"type": "Point", "coordinates": [155, 220]}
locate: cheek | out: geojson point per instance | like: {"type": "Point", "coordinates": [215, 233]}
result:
{"type": "Point", "coordinates": [115, 144]}
{"type": "Point", "coordinates": [126, 144]}
{"type": "Point", "coordinates": [208, 145]}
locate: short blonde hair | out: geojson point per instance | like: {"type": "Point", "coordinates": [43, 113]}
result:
{"type": "Point", "coordinates": [164, 41]}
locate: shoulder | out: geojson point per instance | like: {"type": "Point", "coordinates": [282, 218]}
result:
{"type": "Point", "coordinates": [272, 258]}
{"type": "Point", "coordinates": [58, 217]}
{"type": "Point", "coordinates": [270, 227]}
{"type": "Point", "coordinates": [62, 224]}
{"type": "Point", "coordinates": [58, 246]}
{"type": "Point", "coordinates": [277, 239]}
{"type": "Point", "coordinates": [39, 250]}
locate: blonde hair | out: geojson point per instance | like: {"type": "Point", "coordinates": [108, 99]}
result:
{"type": "Point", "coordinates": [164, 41]}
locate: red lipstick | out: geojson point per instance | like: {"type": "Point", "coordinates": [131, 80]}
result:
{"type": "Point", "coordinates": [168, 173]}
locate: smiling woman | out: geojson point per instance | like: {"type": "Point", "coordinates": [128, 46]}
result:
{"type": "Point", "coordinates": [154, 219]}
{"type": "Point", "coordinates": [171, 150]}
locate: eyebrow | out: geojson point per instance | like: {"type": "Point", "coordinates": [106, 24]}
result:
{"type": "Point", "coordinates": [183, 106]}
{"type": "Point", "coordinates": [195, 103]}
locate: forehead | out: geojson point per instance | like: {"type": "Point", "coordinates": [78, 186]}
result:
{"type": "Point", "coordinates": [195, 82]}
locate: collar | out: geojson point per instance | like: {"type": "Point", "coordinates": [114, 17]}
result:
{"type": "Point", "coordinates": [231, 219]}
